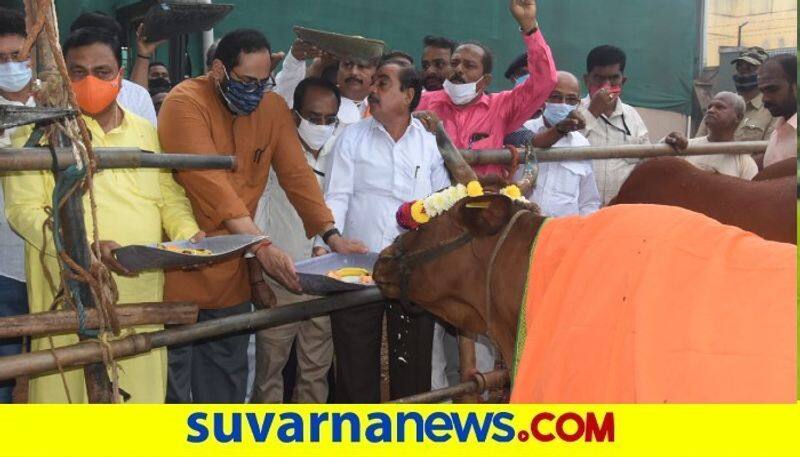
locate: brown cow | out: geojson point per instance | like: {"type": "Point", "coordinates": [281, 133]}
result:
{"type": "Point", "coordinates": [470, 267]}
{"type": "Point", "coordinates": [780, 169]}
{"type": "Point", "coordinates": [766, 208]}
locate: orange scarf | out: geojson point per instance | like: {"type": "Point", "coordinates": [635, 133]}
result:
{"type": "Point", "coordinates": [654, 304]}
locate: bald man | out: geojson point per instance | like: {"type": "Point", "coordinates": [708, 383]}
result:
{"type": "Point", "coordinates": [723, 118]}
{"type": "Point", "coordinates": [564, 188]}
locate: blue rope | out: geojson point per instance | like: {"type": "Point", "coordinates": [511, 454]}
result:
{"type": "Point", "coordinates": [65, 181]}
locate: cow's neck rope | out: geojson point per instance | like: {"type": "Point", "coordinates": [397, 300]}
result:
{"type": "Point", "coordinates": [500, 242]}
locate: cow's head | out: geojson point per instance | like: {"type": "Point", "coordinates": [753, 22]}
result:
{"type": "Point", "coordinates": [445, 261]}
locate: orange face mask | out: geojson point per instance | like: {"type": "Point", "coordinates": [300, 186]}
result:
{"type": "Point", "coordinates": [95, 94]}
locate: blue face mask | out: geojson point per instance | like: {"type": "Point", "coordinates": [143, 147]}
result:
{"type": "Point", "coordinates": [243, 98]}
{"type": "Point", "coordinates": [556, 112]}
{"type": "Point", "coordinates": [14, 76]}
{"type": "Point", "coordinates": [521, 80]}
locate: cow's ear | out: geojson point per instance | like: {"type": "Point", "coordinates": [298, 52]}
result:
{"type": "Point", "coordinates": [485, 215]}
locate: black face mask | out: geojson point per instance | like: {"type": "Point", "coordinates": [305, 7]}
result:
{"type": "Point", "coordinates": [158, 83]}
{"type": "Point", "coordinates": [745, 83]}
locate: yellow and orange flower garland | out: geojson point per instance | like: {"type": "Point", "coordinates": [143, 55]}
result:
{"type": "Point", "coordinates": [411, 214]}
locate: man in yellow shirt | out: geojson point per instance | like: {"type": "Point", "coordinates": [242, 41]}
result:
{"type": "Point", "coordinates": [134, 206]}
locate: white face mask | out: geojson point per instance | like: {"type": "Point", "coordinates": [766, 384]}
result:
{"type": "Point", "coordinates": [14, 76]}
{"type": "Point", "coordinates": [315, 135]}
{"type": "Point", "coordinates": [461, 94]}
{"type": "Point", "coordinates": [556, 112]}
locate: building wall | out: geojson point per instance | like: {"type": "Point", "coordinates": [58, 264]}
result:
{"type": "Point", "coordinates": [773, 24]}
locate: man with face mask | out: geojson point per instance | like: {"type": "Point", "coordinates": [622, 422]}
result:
{"type": "Point", "coordinates": [354, 79]}
{"type": "Point", "coordinates": [477, 120]}
{"type": "Point", "coordinates": [757, 123]}
{"type": "Point", "coordinates": [134, 206]}
{"type": "Point", "coordinates": [316, 102]}
{"type": "Point", "coordinates": [777, 81]}
{"type": "Point", "coordinates": [231, 111]}
{"type": "Point", "coordinates": [564, 188]}
{"type": "Point", "coordinates": [15, 84]}
{"type": "Point", "coordinates": [609, 121]}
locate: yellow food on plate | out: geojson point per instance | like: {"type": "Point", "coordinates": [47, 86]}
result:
{"type": "Point", "coordinates": [187, 251]}
{"type": "Point", "coordinates": [352, 275]}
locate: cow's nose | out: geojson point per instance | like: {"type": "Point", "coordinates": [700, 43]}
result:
{"type": "Point", "coordinates": [386, 275]}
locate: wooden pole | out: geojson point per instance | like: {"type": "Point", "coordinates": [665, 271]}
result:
{"type": "Point", "coordinates": [66, 321]}
{"type": "Point", "coordinates": [467, 365]}
{"type": "Point", "coordinates": [634, 151]}
{"type": "Point", "coordinates": [475, 386]}
{"type": "Point", "coordinates": [88, 352]}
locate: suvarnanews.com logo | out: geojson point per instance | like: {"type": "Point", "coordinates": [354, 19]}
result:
{"type": "Point", "coordinates": [400, 427]}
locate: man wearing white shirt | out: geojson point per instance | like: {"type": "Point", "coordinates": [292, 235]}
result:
{"type": "Point", "coordinates": [563, 188]}
{"type": "Point", "coordinates": [353, 79]}
{"type": "Point", "coordinates": [316, 103]}
{"type": "Point", "coordinates": [609, 121]}
{"type": "Point", "coordinates": [377, 165]}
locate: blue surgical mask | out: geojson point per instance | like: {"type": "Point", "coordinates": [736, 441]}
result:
{"type": "Point", "coordinates": [521, 80]}
{"type": "Point", "coordinates": [243, 98]}
{"type": "Point", "coordinates": [14, 76]}
{"type": "Point", "coordinates": [556, 112]}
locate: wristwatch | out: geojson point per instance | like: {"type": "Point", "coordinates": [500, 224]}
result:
{"type": "Point", "coordinates": [531, 31]}
{"type": "Point", "coordinates": [327, 235]}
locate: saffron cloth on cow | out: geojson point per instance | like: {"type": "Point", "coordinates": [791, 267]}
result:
{"type": "Point", "coordinates": [657, 304]}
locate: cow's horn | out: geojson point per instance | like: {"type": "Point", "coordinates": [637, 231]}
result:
{"type": "Point", "coordinates": [453, 160]}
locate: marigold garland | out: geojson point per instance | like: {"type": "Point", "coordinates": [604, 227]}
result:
{"type": "Point", "coordinates": [411, 214]}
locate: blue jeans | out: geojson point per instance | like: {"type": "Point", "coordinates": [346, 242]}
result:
{"type": "Point", "coordinates": [13, 302]}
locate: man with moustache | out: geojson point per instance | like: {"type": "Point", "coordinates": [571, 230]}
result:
{"type": "Point", "coordinates": [436, 55]}
{"type": "Point", "coordinates": [477, 120]}
{"type": "Point", "coordinates": [378, 164]}
{"type": "Point", "coordinates": [777, 81]}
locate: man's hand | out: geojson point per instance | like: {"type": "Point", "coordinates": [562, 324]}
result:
{"type": "Point", "coordinates": [198, 237]}
{"type": "Point", "coordinates": [318, 251]}
{"type": "Point", "coordinates": [343, 245]}
{"type": "Point", "coordinates": [260, 291]}
{"type": "Point", "coordinates": [677, 140]}
{"type": "Point", "coordinates": [429, 120]}
{"type": "Point", "coordinates": [524, 11]}
{"type": "Point", "coordinates": [573, 123]}
{"type": "Point", "coordinates": [143, 47]}
{"type": "Point", "coordinates": [107, 249]}
{"type": "Point", "coordinates": [276, 58]}
{"type": "Point", "coordinates": [603, 102]}
{"type": "Point", "coordinates": [279, 266]}
{"type": "Point", "coordinates": [302, 50]}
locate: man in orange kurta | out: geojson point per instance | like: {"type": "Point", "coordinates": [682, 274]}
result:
{"type": "Point", "coordinates": [230, 112]}
{"type": "Point", "coordinates": [656, 304]}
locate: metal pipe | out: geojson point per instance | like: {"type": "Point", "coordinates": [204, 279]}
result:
{"type": "Point", "coordinates": [40, 362]}
{"type": "Point", "coordinates": [634, 151]}
{"type": "Point", "coordinates": [476, 386]}
{"type": "Point", "coordinates": [30, 159]}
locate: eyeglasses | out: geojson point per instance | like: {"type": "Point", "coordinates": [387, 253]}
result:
{"type": "Point", "coordinates": [556, 97]}
{"type": "Point", "coordinates": [264, 85]}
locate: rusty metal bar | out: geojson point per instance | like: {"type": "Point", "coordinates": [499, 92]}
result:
{"type": "Point", "coordinates": [473, 387]}
{"type": "Point", "coordinates": [66, 321]}
{"type": "Point", "coordinates": [84, 353]}
{"type": "Point", "coordinates": [635, 151]}
{"type": "Point", "coordinates": [30, 159]}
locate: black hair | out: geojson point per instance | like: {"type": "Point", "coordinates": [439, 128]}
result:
{"type": "Point", "coordinates": [398, 55]}
{"type": "Point", "coordinates": [238, 41]}
{"type": "Point", "coordinates": [409, 78]}
{"type": "Point", "coordinates": [313, 81]}
{"type": "Point", "coordinates": [605, 55]}
{"type": "Point", "coordinates": [488, 57]}
{"type": "Point", "coordinates": [789, 64]}
{"type": "Point", "coordinates": [86, 36]}
{"type": "Point", "coordinates": [12, 22]}
{"type": "Point", "coordinates": [98, 20]}
{"type": "Point", "coordinates": [439, 42]}
{"type": "Point", "coordinates": [156, 64]}
{"type": "Point", "coordinates": [520, 62]}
